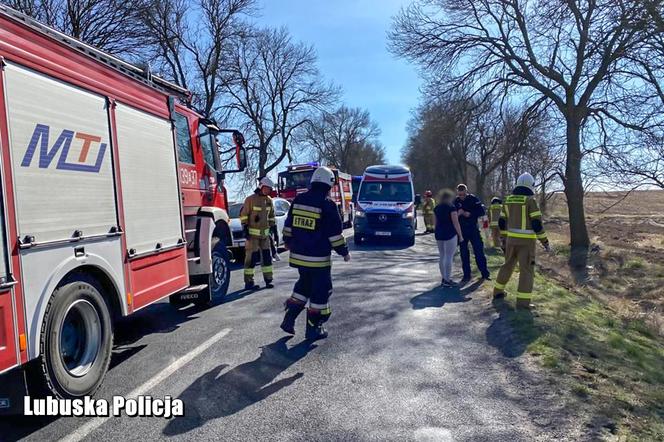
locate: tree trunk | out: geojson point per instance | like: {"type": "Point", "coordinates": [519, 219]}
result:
{"type": "Point", "coordinates": [543, 199]}
{"type": "Point", "coordinates": [579, 239]}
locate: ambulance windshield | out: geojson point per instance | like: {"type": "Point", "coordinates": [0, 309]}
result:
{"type": "Point", "coordinates": [386, 191]}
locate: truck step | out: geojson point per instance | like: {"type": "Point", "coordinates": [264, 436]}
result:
{"type": "Point", "coordinates": [196, 259]}
{"type": "Point", "coordinates": [194, 289]}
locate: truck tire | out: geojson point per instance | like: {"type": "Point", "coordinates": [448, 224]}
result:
{"type": "Point", "coordinates": [76, 341]}
{"type": "Point", "coordinates": [220, 278]}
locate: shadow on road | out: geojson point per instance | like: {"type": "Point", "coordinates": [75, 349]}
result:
{"type": "Point", "coordinates": [512, 330]}
{"type": "Point", "coordinates": [438, 297]}
{"type": "Point", "coordinates": [213, 396]}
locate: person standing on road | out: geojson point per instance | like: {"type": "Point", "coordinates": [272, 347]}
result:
{"type": "Point", "coordinates": [448, 235]}
{"type": "Point", "coordinates": [312, 230]}
{"type": "Point", "coordinates": [427, 210]}
{"type": "Point", "coordinates": [470, 208]}
{"type": "Point", "coordinates": [521, 225]}
{"type": "Point", "coordinates": [495, 209]}
{"type": "Point", "coordinates": [257, 218]}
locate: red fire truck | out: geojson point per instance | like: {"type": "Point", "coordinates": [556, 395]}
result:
{"type": "Point", "coordinates": [112, 199]}
{"type": "Point", "coordinates": [295, 180]}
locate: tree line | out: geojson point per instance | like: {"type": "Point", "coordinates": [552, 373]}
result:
{"type": "Point", "coordinates": [570, 90]}
{"type": "Point", "coordinates": [258, 79]}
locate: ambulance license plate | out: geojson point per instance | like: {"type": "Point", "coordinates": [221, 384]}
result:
{"type": "Point", "coordinates": [383, 233]}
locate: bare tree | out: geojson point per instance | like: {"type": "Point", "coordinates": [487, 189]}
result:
{"type": "Point", "coordinates": [190, 42]}
{"type": "Point", "coordinates": [345, 139]}
{"type": "Point", "coordinates": [274, 90]}
{"type": "Point", "coordinates": [110, 25]}
{"type": "Point", "coordinates": [573, 53]}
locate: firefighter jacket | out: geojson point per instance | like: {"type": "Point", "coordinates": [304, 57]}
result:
{"type": "Point", "coordinates": [428, 206]}
{"type": "Point", "coordinates": [257, 215]}
{"type": "Point", "coordinates": [521, 218]}
{"type": "Point", "coordinates": [312, 229]}
{"type": "Point", "coordinates": [495, 209]}
{"type": "Point", "coordinates": [474, 206]}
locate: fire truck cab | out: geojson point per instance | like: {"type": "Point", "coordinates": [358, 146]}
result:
{"type": "Point", "coordinates": [111, 199]}
{"type": "Point", "coordinates": [297, 177]}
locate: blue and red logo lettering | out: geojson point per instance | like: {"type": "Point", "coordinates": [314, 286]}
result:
{"type": "Point", "coordinates": [40, 141]}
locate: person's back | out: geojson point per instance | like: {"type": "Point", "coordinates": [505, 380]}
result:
{"type": "Point", "coordinates": [448, 234]}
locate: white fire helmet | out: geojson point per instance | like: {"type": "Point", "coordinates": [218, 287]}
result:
{"type": "Point", "coordinates": [266, 182]}
{"type": "Point", "coordinates": [323, 175]}
{"type": "Point", "coordinates": [526, 180]}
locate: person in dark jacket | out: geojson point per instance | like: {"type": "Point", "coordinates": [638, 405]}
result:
{"type": "Point", "coordinates": [470, 208]}
{"type": "Point", "coordinates": [448, 235]}
{"type": "Point", "coordinates": [312, 230]}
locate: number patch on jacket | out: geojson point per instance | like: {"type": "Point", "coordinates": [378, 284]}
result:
{"type": "Point", "coordinates": [304, 222]}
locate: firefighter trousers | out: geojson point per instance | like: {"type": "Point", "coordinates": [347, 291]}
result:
{"type": "Point", "coordinates": [522, 252]}
{"type": "Point", "coordinates": [495, 236]}
{"type": "Point", "coordinates": [315, 286]}
{"type": "Point", "coordinates": [257, 251]}
{"type": "Point", "coordinates": [429, 222]}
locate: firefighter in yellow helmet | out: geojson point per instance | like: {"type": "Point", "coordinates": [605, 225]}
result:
{"type": "Point", "coordinates": [521, 226]}
{"type": "Point", "coordinates": [257, 218]}
{"type": "Point", "coordinates": [427, 210]}
{"type": "Point", "coordinates": [495, 209]}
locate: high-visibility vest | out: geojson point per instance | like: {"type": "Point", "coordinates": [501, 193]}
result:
{"type": "Point", "coordinates": [428, 206]}
{"type": "Point", "coordinates": [494, 214]}
{"type": "Point", "coordinates": [519, 211]}
{"type": "Point", "coordinates": [258, 215]}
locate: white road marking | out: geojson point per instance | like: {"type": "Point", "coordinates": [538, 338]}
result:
{"type": "Point", "coordinates": [96, 422]}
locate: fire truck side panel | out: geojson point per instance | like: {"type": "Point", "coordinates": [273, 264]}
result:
{"type": "Point", "coordinates": [61, 165]}
{"type": "Point", "coordinates": [151, 202]}
{"type": "Point", "coordinates": [60, 147]}
{"type": "Point", "coordinates": [11, 297]}
{"type": "Point", "coordinates": [8, 353]}
{"type": "Point", "coordinates": [45, 267]}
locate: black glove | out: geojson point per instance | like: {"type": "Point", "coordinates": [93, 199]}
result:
{"type": "Point", "coordinates": [245, 229]}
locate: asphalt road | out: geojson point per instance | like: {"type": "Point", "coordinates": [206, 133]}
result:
{"type": "Point", "coordinates": [405, 360]}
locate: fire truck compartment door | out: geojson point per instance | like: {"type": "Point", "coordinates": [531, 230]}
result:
{"type": "Point", "coordinates": [61, 155]}
{"type": "Point", "coordinates": [148, 169]}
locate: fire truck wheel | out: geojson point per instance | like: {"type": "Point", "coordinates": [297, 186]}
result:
{"type": "Point", "coordinates": [220, 277]}
{"type": "Point", "coordinates": [76, 340]}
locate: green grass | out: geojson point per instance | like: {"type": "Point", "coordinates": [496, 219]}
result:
{"type": "Point", "coordinates": [635, 263]}
{"type": "Point", "coordinates": [615, 365]}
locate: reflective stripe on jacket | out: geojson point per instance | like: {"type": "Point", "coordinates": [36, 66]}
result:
{"type": "Point", "coordinates": [494, 214]}
{"type": "Point", "coordinates": [428, 206]}
{"type": "Point", "coordinates": [518, 214]}
{"type": "Point", "coordinates": [312, 230]}
{"type": "Point", "coordinates": [257, 215]}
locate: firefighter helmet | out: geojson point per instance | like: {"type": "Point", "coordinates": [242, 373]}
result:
{"type": "Point", "coordinates": [526, 180]}
{"type": "Point", "coordinates": [428, 193]}
{"type": "Point", "coordinates": [266, 182]}
{"type": "Point", "coordinates": [323, 175]}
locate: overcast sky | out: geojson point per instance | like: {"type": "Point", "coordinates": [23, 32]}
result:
{"type": "Point", "coordinates": [350, 39]}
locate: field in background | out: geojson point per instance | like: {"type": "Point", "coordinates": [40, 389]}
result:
{"type": "Point", "coordinates": [602, 328]}
{"type": "Point", "coordinates": [626, 265]}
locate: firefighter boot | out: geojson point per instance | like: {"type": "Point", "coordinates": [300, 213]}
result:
{"type": "Point", "coordinates": [315, 329]}
{"type": "Point", "coordinates": [523, 304]}
{"type": "Point", "coordinates": [293, 308]}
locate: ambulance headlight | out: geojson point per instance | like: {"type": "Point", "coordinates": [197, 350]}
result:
{"type": "Point", "coordinates": [360, 214]}
{"type": "Point", "coordinates": [408, 215]}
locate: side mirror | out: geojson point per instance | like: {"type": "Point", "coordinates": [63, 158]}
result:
{"type": "Point", "coordinates": [418, 199]}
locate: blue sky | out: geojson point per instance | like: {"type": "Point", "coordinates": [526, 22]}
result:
{"type": "Point", "coordinates": [350, 39]}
